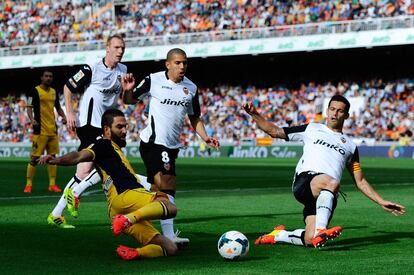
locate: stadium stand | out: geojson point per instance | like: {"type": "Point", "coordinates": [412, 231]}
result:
{"type": "Point", "coordinates": [53, 24]}
{"type": "Point", "coordinates": [387, 113]}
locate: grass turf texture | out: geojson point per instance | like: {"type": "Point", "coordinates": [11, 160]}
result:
{"type": "Point", "coordinates": [215, 196]}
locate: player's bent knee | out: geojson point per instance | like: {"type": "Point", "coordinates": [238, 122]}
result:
{"type": "Point", "coordinates": [172, 210]}
{"type": "Point", "coordinates": [169, 246]}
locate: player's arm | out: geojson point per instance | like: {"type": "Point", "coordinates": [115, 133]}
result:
{"type": "Point", "coordinates": [365, 187]}
{"type": "Point", "coordinates": [59, 109]}
{"type": "Point", "coordinates": [31, 100]}
{"type": "Point", "coordinates": [75, 84]}
{"type": "Point", "coordinates": [266, 126]}
{"type": "Point", "coordinates": [198, 126]}
{"type": "Point", "coordinates": [69, 159]}
{"type": "Point", "coordinates": [132, 96]}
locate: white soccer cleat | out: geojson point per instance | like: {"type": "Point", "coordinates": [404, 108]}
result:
{"type": "Point", "coordinates": [180, 242]}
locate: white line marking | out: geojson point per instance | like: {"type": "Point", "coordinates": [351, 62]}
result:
{"type": "Point", "coordinates": [99, 192]}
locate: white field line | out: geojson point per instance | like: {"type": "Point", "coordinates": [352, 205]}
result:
{"type": "Point", "coordinates": [98, 192]}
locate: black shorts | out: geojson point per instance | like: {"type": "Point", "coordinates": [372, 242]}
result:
{"type": "Point", "coordinates": [158, 158]}
{"type": "Point", "coordinates": [87, 135]}
{"type": "Point", "coordinates": [303, 193]}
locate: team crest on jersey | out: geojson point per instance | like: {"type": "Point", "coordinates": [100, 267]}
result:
{"type": "Point", "coordinates": [343, 140]}
{"type": "Point", "coordinates": [167, 166]}
{"type": "Point", "coordinates": [78, 76]}
{"type": "Point", "coordinates": [185, 90]}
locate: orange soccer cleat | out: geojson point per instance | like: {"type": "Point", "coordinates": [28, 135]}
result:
{"type": "Point", "coordinates": [271, 237]}
{"type": "Point", "coordinates": [120, 223]}
{"type": "Point", "coordinates": [326, 234]}
{"type": "Point", "coordinates": [127, 253]}
{"type": "Point", "coordinates": [54, 188]}
{"type": "Point", "coordinates": [28, 189]}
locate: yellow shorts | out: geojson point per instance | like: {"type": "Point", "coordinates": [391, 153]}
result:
{"type": "Point", "coordinates": [41, 142]}
{"type": "Point", "coordinates": [130, 201]}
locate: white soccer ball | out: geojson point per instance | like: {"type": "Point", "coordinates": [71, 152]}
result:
{"type": "Point", "coordinates": [233, 245]}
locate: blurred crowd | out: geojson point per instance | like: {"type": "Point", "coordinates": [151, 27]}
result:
{"type": "Point", "coordinates": [25, 22]}
{"type": "Point", "coordinates": [386, 112]}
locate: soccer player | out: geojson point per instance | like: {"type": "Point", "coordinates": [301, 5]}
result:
{"type": "Point", "coordinates": [326, 152]}
{"type": "Point", "coordinates": [172, 97]}
{"type": "Point", "coordinates": [130, 206]}
{"type": "Point", "coordinates": [41, 101]}
{"type": "Point", "coordinates": [101, 85]}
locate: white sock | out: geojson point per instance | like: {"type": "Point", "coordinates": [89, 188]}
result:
{"type": "Point", "coordinates": [61, 205]}
{"type": "Point", "coordinates": [90, 180]}
{"type": "Point", "coordinates": [323, 209]}
{"type": "Point", "coordinates": [144, 182]}
{"type": "Point", "coordinates": [167, 225]}
{"type": "Point", "coordinates": [293, 237]}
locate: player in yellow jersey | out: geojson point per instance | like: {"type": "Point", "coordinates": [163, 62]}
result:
{"type": "Point", "coordinates": [41, 101]}
{"type": "Point", "coordinates": [130, 206]}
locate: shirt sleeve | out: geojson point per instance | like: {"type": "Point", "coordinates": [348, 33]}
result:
{"type": "Point", "coordinates": [57, 102]}
{"type": "Point", "coordinates": [295, 133]}
{"type": "Point", "coordinates": [32, 97]}
{"type": "Point", "coordinates": [142, 89]}
{"type": "Point", "coordinates": [354, 163]}
{"type": "Point", "coordinates": [78, 82]}
{"type": "Point", "coordinates": [98, 149]}
{"type": "Point", "coordinates": [194, 108]}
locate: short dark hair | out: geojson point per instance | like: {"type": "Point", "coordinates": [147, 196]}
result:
{"type": "Point", "coordinates": [108, 117]}
{"type": "Point", "coordinates": [118, 36]}
{"type": "Point", "coordinates": [46, 71]}
{"type": "Point", "coordinates": [175, 51]}
{"type": "Point", "coordinates": [342, 99]}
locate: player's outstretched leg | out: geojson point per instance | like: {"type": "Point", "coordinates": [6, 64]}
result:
{"type": "Point", "coordinates": [72, 194]}
{"type": "Point", "coordinates": [271, 237]}
{"type": "Point", "coordinates": [324, 235]}
{"type": "Point", "coordinates": [159, 246]}
{"type": "Point", "coordinates": [58, 221]}
{"type": "Point", "coordinates": [157, 209]}
{"type": "Point", "coordinates": [61, 205]}
{"type": "Point", "coordinates": [281, 235]}
{"type": "Point", "coordinates": [167, 226]}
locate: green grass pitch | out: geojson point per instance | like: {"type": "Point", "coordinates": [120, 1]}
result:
{"type": "Point", "coordinates": [215, 196]}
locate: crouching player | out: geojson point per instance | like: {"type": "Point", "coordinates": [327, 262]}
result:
{"type": "Point", "coordinates": [130, 206]}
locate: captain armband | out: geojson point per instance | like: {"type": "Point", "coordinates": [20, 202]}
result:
{"type": "Point", "coordinates": [355, 167]}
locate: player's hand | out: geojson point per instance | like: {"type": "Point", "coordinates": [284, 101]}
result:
{"type": "Point", "coordinates": [71, 122]}
{"type": "Point", "coordinates": [44, 159]}
{"type": "Point", "coordinates": [213, 142]}
{"type": "Point", "coordinates": [249, 108]}
{"type": "Point", "coordinates": [393, 208]}
{"type": "Point", "coordinates": [128, 82]}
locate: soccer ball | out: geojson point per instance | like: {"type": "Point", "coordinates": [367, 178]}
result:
{"type": "Point", "coordinates": [233, 245]}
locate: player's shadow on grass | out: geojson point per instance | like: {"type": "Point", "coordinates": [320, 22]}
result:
{"type": "Point", "coordinates": [381, 238]}
{"type": "Point", "coordinates": [225, 217]}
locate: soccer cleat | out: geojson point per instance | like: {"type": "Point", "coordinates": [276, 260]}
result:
{"type": "Point", "coordinates": [73, 202]}
{"type": "Point", "coordinates": [180, 242]}
{"type": "Point", "coordinates": [326, 234]}
{"type": "Point", "coordinates": [28, 189]}
{"type": "Point", "coordinates": [58, 221]}
{"type": "Point", "coordinates": [54, 188]}
{"type": "Point", "coordinates": [120, 223]}
{"type": "Point", "coordinates": [127, 253]}
{"type": "Point", "coordinates": [271, 237]}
